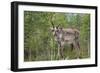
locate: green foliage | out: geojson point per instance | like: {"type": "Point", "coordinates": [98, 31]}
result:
{"type": "Point", "coordinates": [39, 44]}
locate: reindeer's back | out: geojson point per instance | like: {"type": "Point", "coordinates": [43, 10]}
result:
{"type": "Point", "coordinates": [69, 34]}
{"type": "Point", "coordinates": [69, 30]}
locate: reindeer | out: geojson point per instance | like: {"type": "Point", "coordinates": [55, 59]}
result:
{"type": "Point", "coordinates": [69, 36]}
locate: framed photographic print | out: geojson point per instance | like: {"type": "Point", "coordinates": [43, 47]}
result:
{"type": "Point", "coordinates": [52, 36]}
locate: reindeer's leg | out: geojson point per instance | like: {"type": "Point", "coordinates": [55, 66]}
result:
{"type": "Point", "coordinates": [77, 49]}
{"type": "Point", "coordinates": [58, 52]}
{"type": "Point", "coordinates": [62, 50]}
{"type": "Point", "coordinates": [78, 45]}
{"type": "Point", "coordinates": [72, 47]}
{"type": "Point", "coordinates": [62, 53]}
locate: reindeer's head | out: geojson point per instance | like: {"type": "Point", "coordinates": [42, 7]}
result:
{"type": "Point", "coordinates": [56, 30]}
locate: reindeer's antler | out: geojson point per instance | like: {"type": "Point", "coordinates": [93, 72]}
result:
{"type": "Point", "coordinates": [58, 25]}
{"type": "Point", "coordinates": [51, 21]}
{"type": "Point", "coordinates": [52, 24]}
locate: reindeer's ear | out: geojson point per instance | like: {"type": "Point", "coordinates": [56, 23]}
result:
{"type": "Point", "coordinates": [52, 29]}
{"type": "Point", "coordinates": [58, 26]}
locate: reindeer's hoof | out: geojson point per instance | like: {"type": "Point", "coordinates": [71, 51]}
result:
{"type": "Point", "coordinates": [66, 58]}
{"type": "Point", "coordinates": [79, 57]}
